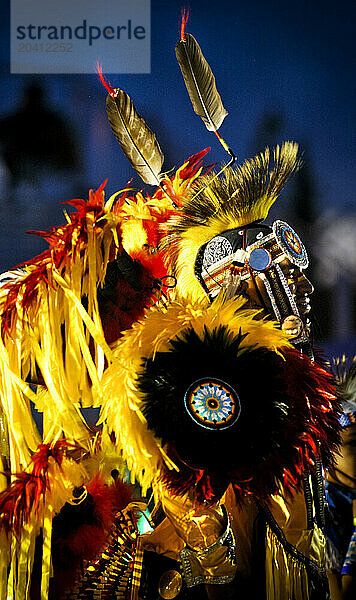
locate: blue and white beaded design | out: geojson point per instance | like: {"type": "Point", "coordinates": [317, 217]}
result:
{"type": "Point", "coordinates": [349, 566]}
{"type": "Point", "coordinates": [290, 244]}
{"type": "Point", "coordinates": [347, 419]}
{"type": "Point", "coordinates": [212, 403]}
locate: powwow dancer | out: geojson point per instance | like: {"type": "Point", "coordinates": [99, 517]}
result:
{"type": "Point", "coordinates": [208, 391]}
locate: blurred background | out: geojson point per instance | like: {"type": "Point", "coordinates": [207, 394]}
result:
{"type": "Point", "coordinates": [285, 71]}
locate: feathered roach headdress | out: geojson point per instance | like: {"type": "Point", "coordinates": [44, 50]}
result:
{"type": "Point", "coordinates": [237, 199]}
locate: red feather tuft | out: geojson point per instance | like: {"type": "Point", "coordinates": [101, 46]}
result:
{"type": "Point", "coordinates": [185, 18]}
{"type": "Point", "coordinates": [127, 304]}
{"type": "Point", "coordinates": [107, 85]}
{"type": "Point", "coordinates": [89, 532]}
{"type": "Point", "coordinates": [153, 265]}
{"type": "Point", "coordinates": [90, 535]}
{"type": "Point", "coordinates": [193, 164]}
{"type": "Point", "coordinates": [25, 495]}
{"type": "Point", "coordinates": [122, 493]}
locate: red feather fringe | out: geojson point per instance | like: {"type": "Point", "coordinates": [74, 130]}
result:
{"type": "Point", "coordinates": [86, 541]}
{"type": "Point", "coordinates": [60, 246]}
{"type": "Point", "coordinates": [25, 495]}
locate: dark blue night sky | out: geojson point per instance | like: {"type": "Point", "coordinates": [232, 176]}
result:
{"type": "Point", "coordinates": [291, 63]}
{"type": "Point", "coordinates": [296, 59]}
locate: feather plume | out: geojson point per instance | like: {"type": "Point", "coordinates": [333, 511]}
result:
{"type": "Point", "coordinates": [200, 82]}
{"type": "Point", "coordinates": [136, 139]}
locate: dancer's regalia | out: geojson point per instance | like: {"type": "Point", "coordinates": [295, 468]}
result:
{"type": "Point", "coordinates": [146, 307]}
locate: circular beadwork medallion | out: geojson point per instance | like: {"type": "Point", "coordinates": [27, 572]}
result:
{"type": "Point", "coordinates": [212, 403]}
{"type": "Point", "coordinates": [290, 244]}
{"type": "Point", "coordinates": [260, 259]}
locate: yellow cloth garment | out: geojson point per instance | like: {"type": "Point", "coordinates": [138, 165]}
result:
{"type": "Point", "coordinates": [198, 526]}
{"type": "Point", "coordinates": [286, 577]}
{"type": "Point", "coordinates": [197, 531]}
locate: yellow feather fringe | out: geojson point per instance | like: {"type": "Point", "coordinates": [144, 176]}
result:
{"type": "Point", "coordinates": [18, 554]}
{"type": "Point", "coordinates": [56, 336]}
{"type": "Point", "coordinates": [71, 371]}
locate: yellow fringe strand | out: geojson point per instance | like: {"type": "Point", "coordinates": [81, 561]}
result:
{"type": "Point", "coordinates": [286, 578]}
{"type": "Point", "coordinates": [46, 553]}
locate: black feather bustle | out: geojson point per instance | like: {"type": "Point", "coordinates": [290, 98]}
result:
{"type": "Point", "coordinates": [165, 380]}
{"type": "Point", "coordinates": [285, 425]}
